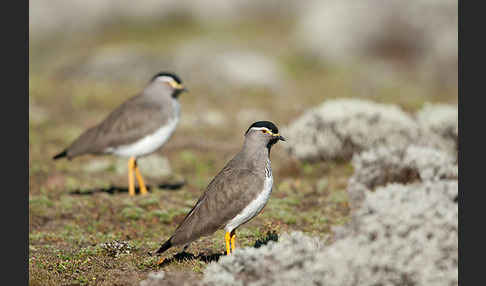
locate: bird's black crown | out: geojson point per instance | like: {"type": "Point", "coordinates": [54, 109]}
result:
{"type": "Point", "coordinates": [266, 124]}
{"type": "Point", "coordinates": [169, 74]}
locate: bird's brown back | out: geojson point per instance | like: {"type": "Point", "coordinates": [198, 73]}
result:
{"type": "Point", "coordinates": [135, 118]}
{"type": "Point", "coordinates": [225, 197]}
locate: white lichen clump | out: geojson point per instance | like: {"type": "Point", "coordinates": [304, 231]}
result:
{"type": "Point", "coordinates": [338, 129]}
{"type": "Point", "coordinates": [153, 279]}
{"type": "Point", "coordinates": [261, 266]}
{"type": "Point", "coordinates": [382, 165]}
{"type": "Point", "coordinates": [442, 121]}
{"type": "Point", "coordinates": [402, 235]}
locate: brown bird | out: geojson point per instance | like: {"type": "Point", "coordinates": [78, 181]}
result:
{"type": "Point", "coordinates": [136, 128]}
{"type": "Point", "coordinates": [236, 195]}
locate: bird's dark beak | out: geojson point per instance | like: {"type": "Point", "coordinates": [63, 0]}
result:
{"type": "Point", "coordinates": [277, 136]}
{"type": "Point", "coordinates": [178, 91]}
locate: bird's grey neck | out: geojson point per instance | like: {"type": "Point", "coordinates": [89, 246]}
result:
{"type": "Point", "coordinates": [255, 147]}
{"type": "Point", "coordinates": [256, 158]}
{"type": "Point", "coordinates": [158, 93]}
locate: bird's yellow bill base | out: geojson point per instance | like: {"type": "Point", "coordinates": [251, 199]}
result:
{"type": "Point", "coordinates": [133, 168]}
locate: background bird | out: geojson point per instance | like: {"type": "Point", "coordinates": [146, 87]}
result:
{"type": "Point", "coordinates": [236, 195]}
{"type": "Point", "coordinates": [136, 128]}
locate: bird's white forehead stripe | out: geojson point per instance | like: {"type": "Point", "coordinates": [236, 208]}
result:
{"type": "Point", "coordinates": [261, 128]}
{"type": "Point", "coordinates": [165, 78]}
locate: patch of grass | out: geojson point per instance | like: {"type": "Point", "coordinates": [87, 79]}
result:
{"type": "Point", "coordinates": [133, 213]}
{"type": "Point", "coordinates": [149, 202]}
{"type": "Point", "coordinates": [340, 196]}
{"type": "Point", "coordinates": [167, 216]}
{"type": "Point", "coordinates": [40, 201]}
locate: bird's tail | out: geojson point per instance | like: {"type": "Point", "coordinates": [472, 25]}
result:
{"type": "Point", "coordinates": [60, 155]}
{"type": "Point", "coordinates": [164, 246]}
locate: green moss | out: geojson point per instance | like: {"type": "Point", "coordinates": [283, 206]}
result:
{"type": "Point", "coordinates": [147, 263]}
{"type": "Point", "coordinates": [340, 196]}
{"type": "Point", "coordinates": [163, 216]}
{"type": "Point", "coordinates": [149, 202]}
{"type": "Point", "coordinates": [307, 168]}
{"type": "Point", "coordinates": [322, 185]}
{"type": "Point", "coordinates": [133, 213]}
{"type": "Point", "coordinates": [188, 157]}
{"type": "Point", "coordinates": [40, 201]}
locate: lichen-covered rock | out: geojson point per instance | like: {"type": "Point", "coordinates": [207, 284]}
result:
{"type": "Point", "coordinates": [383, 165]}
{"type": "Point", "coordinates": [442, 121]}
{"type": "Point", "coordinates": [153, 279]}
{"type": "Point", "coordinates": [266, 265]}
{"type": "Point", "coordinates": [403, 235]}
{"type": "Point", "coordinates": [406, 234]}
{"type": "Point", "coordinates": [339, 128]}
{"type": "Point", "coordinates": [161, 278]}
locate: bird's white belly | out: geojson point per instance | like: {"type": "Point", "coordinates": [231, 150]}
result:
{"type": "Point", "coordinates": [148, 144]}
{"type": "Point", "coordinates": [253, 208]}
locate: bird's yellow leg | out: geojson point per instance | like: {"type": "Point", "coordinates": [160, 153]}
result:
{"type": "Point", "coordinates": [233, 237]}
{"type": "Point", "coordinates": [227, 240]}
{"type": "Point", "coordinates": [141, 184]}
{"type": "Point", "coordinates": [131, 182]}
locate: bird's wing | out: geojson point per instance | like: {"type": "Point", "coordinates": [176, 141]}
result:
{"type": "Point", "coordinates": [134, 118]}
{"type": "Point", "coordinates": [225, 197]}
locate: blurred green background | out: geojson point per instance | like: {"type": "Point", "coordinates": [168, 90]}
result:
{"type": "Point", "coordinates": [242, 61]}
